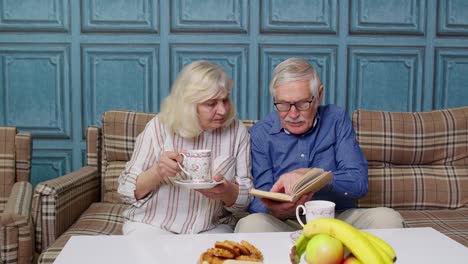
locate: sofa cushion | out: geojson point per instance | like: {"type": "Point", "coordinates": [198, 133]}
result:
{"type": "Point", "coordinates": [417, 187]}
{"type": "Point", "coordinates": [98, 219]}
{"type": "Point", "coordinates": [413, 138]}
{"type": "Point", "coordinates": [416, 160]}
{"type": "Point", "coordinates": [452, 223]}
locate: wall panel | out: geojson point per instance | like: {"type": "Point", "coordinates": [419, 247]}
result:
{"type": "Point", "coordinates": [383, 16]}
{"type": "Point", "coordinates": [35, 88]}
{"type": "Point", "coordinates": [34, 15]}
{"type": "Point", "coordinates": [49, 164]}
{"type": "Point", "coordinates": [118, 77]}
{"type": "Point", "coordinates": [209, 16]}
{"type": "Point", "coordinates": [64, 63]}
{"type": "Point", "coordinates": [453, 19]}
{"type": "Point", "coordinates": [383, 78]}
{"type": "Point", "coordinates": [452, 78]}
{"type": "Point", "coordinates": [299, 16]}
{"type": "Point", "coordinates": [120, 16]}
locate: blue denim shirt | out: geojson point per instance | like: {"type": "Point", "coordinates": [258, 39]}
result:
{"type": "Point", "coordinates": [330, 144]}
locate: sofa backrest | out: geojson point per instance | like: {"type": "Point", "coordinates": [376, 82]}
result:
{"type": "Point", "coordinates": [7, 161]}
{"type": "Point", "coordinates": [119, 132]}
{"type": "Point", "coordinates": [417, 160]}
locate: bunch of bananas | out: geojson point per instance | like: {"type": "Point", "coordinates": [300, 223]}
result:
{"type": "Point", "coordinates": [366, 247]}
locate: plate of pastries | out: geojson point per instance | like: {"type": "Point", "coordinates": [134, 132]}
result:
{"type": "Point", "coordinates": [231, 252]}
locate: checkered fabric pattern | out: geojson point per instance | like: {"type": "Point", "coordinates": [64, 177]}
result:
{"type": "Point", "coordinates": [120, 129]}
{"type": "Point", "coordinates": [58, 204]}
{"type": "Point", "coordinates": [16, 229]}
{"type": "Point", "coordinates": [248, 123]}
{"type": "Point", "coordinates": [98, 219]}
{"type": "Point", "coordinates": [418, 162]}
{"type": "Point", "coordinates": [452, 223]}
{"type": "Point", "coordinates": [7, 162]}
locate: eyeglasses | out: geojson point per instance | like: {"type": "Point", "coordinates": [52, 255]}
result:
{"type": "Point", "coordinates": [300, 105]}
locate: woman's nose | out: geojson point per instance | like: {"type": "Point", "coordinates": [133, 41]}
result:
{"type": "Point", "coordinates": [221, 108]}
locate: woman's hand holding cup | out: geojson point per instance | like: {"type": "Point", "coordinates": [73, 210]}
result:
{"type": "Point", "coordinates": [196, 164]}
{"type": "Point", "coordinates": [168, 164]}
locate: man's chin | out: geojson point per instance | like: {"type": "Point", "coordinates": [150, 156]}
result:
{"type": "Point", "coordinates": [296, 128]}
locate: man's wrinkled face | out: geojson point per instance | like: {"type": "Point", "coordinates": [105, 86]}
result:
{"type": "Point", "coordinates": [297, 120]}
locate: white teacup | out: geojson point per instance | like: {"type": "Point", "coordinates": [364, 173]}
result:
{"type": "Point", "coordinates": [316, 209]}
{"type": "Point", "coordinates": [197, 164]}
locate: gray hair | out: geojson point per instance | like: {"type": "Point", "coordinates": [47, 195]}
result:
{"type": "Point", "coordinates": [295, 69]}
{"type": "Point", "coordinates": [198, 82]}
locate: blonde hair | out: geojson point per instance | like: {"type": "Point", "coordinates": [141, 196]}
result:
{"type": "Point", "coordinates": [198, 82]}
{"type": "Point", "coordinates": [295, 69]}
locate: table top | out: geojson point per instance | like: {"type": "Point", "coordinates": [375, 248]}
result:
{"type": "Point", "coordinates": [412, 245]}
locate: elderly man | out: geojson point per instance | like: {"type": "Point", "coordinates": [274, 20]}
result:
{"type": "Point", "coordinates": [301, 135]}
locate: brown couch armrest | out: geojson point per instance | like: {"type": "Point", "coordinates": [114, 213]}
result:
{"type": "Point", "coordinates": [23, 143]}
{"type": "Point", "coordinates": [59, 202]}
{"type": "Point", "coordinates": [16, 226]}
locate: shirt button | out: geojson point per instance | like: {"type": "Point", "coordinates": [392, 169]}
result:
{"type": "Point", "coordinates": [302, 155]}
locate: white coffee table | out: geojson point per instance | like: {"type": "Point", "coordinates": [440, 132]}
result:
{"type": "Point", "coordinates": [412, 245]}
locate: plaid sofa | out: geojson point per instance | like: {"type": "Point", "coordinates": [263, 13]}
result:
{"type": "Point", "coordinates": [418, 165]}
{"type": "Point", "coordinates": [86, 202]}
{"type": "Point", "coordinates": [16, 229]}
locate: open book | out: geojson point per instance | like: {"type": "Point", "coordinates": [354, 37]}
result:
{"type": "Point", "coordinates": [312, 181]}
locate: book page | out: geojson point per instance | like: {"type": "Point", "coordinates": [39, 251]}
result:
{"type": "Point", "coordinates": [306, 178]}
{"type": "Point", "coordinates": [280, 197]}
{"type": "Point", "coordinates": [315, 184]}
{"type": "Point", "coordinates": [312, 181]}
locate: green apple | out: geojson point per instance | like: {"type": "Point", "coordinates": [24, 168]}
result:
{"type": "Point", "coordinates": [324, 249]}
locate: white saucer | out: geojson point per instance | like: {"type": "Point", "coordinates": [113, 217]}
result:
{"type": "Point", "coordinates": [197, 185]}
{"type": "Point", "coordinates": [295, 235]}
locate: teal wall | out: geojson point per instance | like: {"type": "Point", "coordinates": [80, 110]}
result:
{"type": "Point", "coordinates": [64, 62]}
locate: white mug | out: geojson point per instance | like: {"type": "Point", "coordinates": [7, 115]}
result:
{"type": "Point", "coordinates": [197, 164]}
{"type": "Point", "coordinates": [316, 209]}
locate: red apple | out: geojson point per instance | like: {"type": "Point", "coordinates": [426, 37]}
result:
{"type": "Point", "coordinates": [324, 249]}
{"type": "Point", "coordinates": [351, 260]}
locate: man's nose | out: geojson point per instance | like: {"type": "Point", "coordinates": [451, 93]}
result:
{"type": "Point", "coordinates": [293, 112]}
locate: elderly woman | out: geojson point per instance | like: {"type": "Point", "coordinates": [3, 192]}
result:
{"type": "Point", "coordinates": [196, 115]}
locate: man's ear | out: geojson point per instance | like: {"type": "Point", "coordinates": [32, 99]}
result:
{"type": "Point", "coordinates": [320, 94]}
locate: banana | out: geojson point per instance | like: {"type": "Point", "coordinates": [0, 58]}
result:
{"type": "Point", "coordinates": [382, 253]}
{"type": "Point", "coordinates": [379, 243]}
{"type": "Point", "coordinates": [352, 238]}
{"type": "Point", "coordinates": [301, 245]}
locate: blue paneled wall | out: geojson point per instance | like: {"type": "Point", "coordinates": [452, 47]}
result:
{"type": "Point", "coordinates": [65, 62]}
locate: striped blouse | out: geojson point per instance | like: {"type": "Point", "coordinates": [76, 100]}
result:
{"type": "Point", "coordinates": [182, 210]}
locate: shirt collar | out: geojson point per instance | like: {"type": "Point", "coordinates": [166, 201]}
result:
{"type": "Point", "coordinates": [277, 127]}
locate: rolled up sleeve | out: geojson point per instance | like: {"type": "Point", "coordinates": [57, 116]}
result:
{"type": "Point", "coordinates": [142, 159]}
